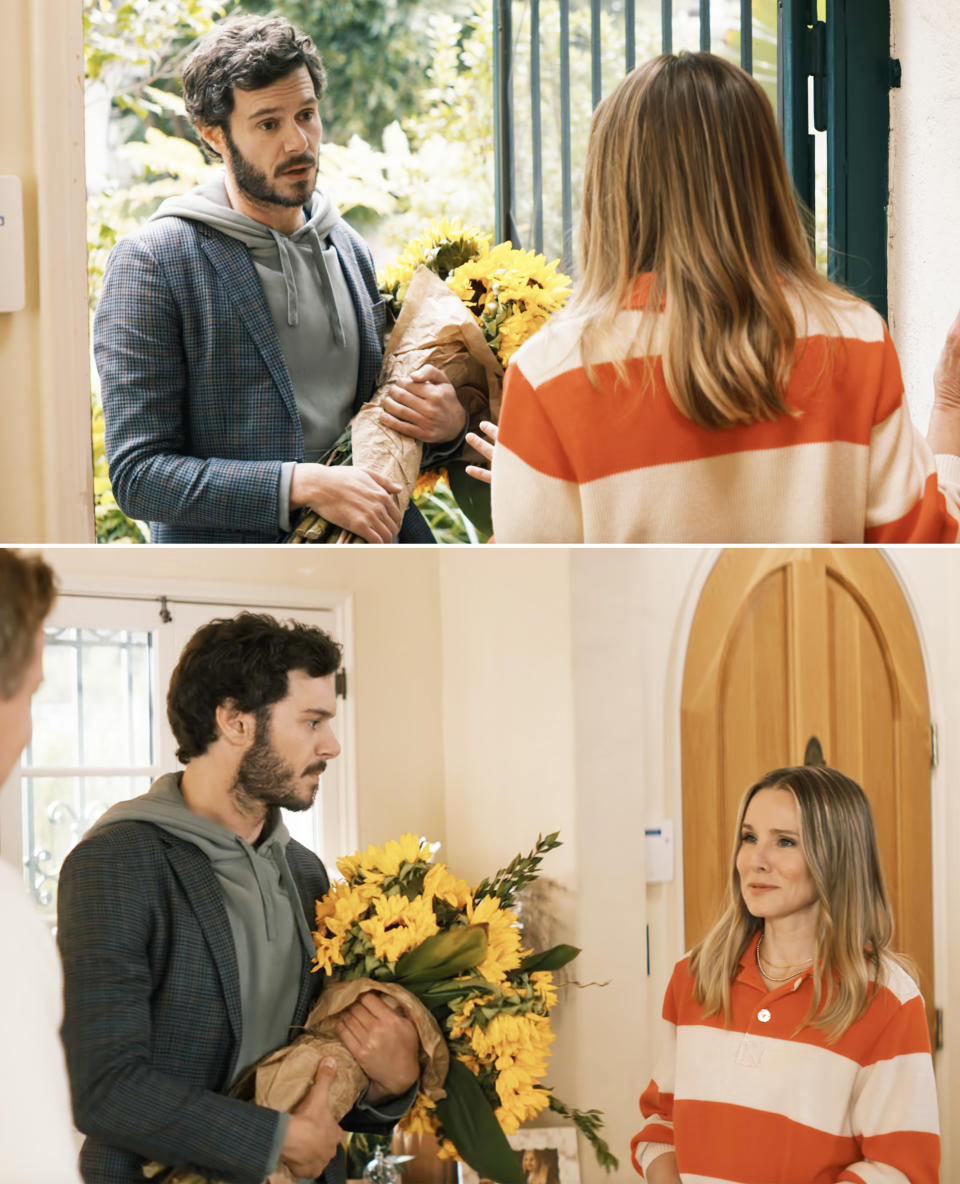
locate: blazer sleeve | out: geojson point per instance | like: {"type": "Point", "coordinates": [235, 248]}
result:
{"type": "Point", "coordinates": [144, 387]}
{"type": "Point", "coordinates": [119, 1098]}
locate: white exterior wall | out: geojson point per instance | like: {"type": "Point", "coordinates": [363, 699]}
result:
{"type": "Point", "coordinates": [924, 213]}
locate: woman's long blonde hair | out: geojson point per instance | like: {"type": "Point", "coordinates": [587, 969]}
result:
{"type": "Point", "coordinates": [854, 922]}
{"type": "Point", "coordinates": [685, 178]}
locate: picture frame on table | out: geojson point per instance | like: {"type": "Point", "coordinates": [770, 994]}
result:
{"type": "Point", "coordinates": [548, 1155]}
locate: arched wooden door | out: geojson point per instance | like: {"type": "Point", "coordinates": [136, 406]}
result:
{"type": "Point", "coordinates": [789, 644]}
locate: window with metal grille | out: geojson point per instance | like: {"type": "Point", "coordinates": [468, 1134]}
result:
{"type": "Point", "coordinates": [100, 733]}
{"type": "Point", "coordinates": [824, 64]}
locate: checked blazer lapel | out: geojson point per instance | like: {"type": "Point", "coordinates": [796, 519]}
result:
{"type": "Point", "coordinates": [310, 982]}
{"type": "Point", "coordinates": [199, 882]}
{"type": "Point", "coordinates": [234, 267]}
{"type": "Point", "coordinates": [371, 347]}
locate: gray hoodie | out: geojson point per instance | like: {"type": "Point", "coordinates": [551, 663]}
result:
{"type": "Point", "coordinates": [270, 932]}
{"type": "Point", "coordinates": [311, 307]}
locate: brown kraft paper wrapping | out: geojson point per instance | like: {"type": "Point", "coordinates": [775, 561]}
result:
{"type": "Point", "coordinates": [434, 328]}
{"type": "Point", "coordinates": [284, 1078]}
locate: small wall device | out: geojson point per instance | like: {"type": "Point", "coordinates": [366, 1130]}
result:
{"type": "Point", "coordinates": [12, 291]}
{"type": "Point", "coordinates": [658, 841]}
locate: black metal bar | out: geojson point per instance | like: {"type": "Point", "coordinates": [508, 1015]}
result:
{"type": "Point", "coordinates": [705, 25]}
{"type": "Point", "coordinates": [858, 125]}
{"type": "Point", "coordinates": [630, 34]}
{"type": "Point", "coordinates": [536, 129]}
{"type": "Point", "coordinates": [792, 71]}
{"type": "Point", "coordinates": [596, 65]}
{"type": "Point", "coordinates": [565, 151]}
{"type": "Point", "coordinates": [666, 26]}
{"type": "Point", "coordinates": [746, 35]}
{"type": "Point", "coordinates": [503, 140]}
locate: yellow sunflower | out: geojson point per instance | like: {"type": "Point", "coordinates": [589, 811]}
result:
{"type": "Point", "coordinates": [503, 938]}
{"type": "Point", "coordinates": [399, 925]}
{"type": "Point", "coordinates": [376, 863]}
{"type": "Point", "coordinates": [440, 883]}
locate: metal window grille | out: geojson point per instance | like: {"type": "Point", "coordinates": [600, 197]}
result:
{"type": "Point", "coordinates": [824, 64]}
{"type": "Point", "coordinates": [92, 744]}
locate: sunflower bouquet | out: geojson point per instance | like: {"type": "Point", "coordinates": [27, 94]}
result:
{"type": "Point", "coordinates": [465, 307]}
{"type": "Point", "coordinates": [399, 918]}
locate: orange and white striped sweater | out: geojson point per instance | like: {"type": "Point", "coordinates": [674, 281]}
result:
{"type": "Point", "coordinates": [577, 464]}
{"type": "Point", "coordinates": [763, 1103]}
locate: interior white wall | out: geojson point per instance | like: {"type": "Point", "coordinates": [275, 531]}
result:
{"type": "Point", "coordinates": [396, 609]}
{"type": "Point", "coordinates": [924, 211]}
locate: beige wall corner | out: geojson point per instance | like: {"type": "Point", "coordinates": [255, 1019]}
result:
{"type": "Point", "coordinates": [46, 477]}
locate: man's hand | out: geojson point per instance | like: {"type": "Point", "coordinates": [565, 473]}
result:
{"type": "Point", "coordinates": [484, 448]}
{"type": "Point", "coordinates": [385, 1044]}
{"type": "Point", "coordinates": [358, 500]}
{"type": "Point", "coordinates": [424, 406]}
{"type": "Point", "coordinates": [313, 1135]}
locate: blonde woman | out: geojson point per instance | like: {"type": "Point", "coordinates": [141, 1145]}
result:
{"type": "Point", "coordinates": [706, 383]}
{"type": "Point", "coordinates": [797, 1047]}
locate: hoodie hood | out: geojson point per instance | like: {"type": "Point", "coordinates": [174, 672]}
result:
{"type": "Point", "coordinates": [270, 249]}
{"type": "Point", "coordinates": [236, 863]}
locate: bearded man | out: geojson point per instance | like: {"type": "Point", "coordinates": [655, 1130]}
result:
{"type": "Point", "coordinates": [184, 931]}
{"type": "Point", "coordinates": [241, 327]}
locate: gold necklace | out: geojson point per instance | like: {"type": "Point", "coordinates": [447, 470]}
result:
{"type": "Point", "coordinates": [798, 966]}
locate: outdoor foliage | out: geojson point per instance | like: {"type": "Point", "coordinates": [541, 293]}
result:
{"type": "Point", "coordinates": [408, 119]}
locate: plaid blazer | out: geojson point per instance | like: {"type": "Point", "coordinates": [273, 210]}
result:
{"type": "Point", "coordinates": [152, 1009]}
{"type": "Point", "coordinates": [198, 406]}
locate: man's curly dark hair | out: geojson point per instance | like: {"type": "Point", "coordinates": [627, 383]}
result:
{"type": "Point", "coordinates": [246, 51]}
{"type": "Point", "coordinates": [246, 661]}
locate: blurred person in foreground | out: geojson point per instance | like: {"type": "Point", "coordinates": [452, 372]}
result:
{"type": "Point", "coordinates": [706, 383]}
{"type": "Point", "coordinates": [36, 1135]}
{"type": "Point", "coordinates": [184, 926]}
{"type": "Point", "coordinates": [796, 1042]}
{"type": "Point", "coordinates": [241, 328]}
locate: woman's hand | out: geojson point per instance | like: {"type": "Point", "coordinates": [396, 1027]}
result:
{"type": "Point", "coordinates": [946, 377]}
{"type": "Point", "coordinates": [484, 447]}
{"type": "Point", "coordinates": [663, 1170]}
{"type": "Point", "coordinates": [424, 406]}
{"type": "Point", "coordinates": [943, 434]}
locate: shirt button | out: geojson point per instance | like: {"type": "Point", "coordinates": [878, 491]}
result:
{"type": "Point", "coordinates": [763, 1015]}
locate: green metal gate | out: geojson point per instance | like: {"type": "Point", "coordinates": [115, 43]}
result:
{"type": "Point", "coordinates": [829, 75]}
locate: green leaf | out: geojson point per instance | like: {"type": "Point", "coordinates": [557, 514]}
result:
{"type": "Point", "coordinates": [442, 956]}
{"type": "Point", "coordinates": [472, 496]}
{"type": "Point", "coordinates": [550, 959]}
{"type": "Point", "coordinates": [446, 992]}
{"type": "Point", "coordinates": [469, 1123]}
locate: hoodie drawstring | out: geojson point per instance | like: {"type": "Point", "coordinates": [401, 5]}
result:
{"type": "Point", "coordinates": [293, 299]}
{"type": "Point", "coordinates": [336, 325]}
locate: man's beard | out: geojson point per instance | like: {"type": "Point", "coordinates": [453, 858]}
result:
{"type": "Point", "coordinates": [255, 183]}
{"type": "Point", "coordinates": [264, 777]}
